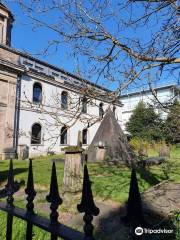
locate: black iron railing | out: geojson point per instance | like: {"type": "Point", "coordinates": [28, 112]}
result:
{"type": "Point", "coordinates": [51, 225]}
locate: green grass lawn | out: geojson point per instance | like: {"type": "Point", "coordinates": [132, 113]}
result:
{"type": "Point", "coordinates": [109, 182]}
{"type": "Point", "coordinates": [41, 169]}
{"type": "Point", "coordinates": [19, 230]}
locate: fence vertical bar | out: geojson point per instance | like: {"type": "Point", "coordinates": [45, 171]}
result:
{"type": "Point", "coordinates": [9, 191]}
{"type": "Point", "coordinates": [31, 193]}
{"type": "Point", "coordinates": [55, 200]}
{"type": "Point", "coordinates": [87, 206]}
{"type": "Point", "coordinates": [134, 204]}
{"type": "Point", "coordinates": [134, 211]}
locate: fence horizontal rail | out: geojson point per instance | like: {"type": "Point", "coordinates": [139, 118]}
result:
{"type": "Point", "coordinates": [58, 229]}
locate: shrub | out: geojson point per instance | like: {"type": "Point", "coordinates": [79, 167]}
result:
{"type": "Point", "coordinates": [137, 143]}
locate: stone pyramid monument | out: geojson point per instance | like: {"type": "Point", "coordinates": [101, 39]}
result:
{"type": "Point", "coordinates": [110, 143]}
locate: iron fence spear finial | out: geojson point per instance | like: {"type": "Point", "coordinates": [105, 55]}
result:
{"type": "Point", "coordinates": [54, 197]}
{"type": "Point", "coordinates": [87, 205]}
{"type": "Point", "coordinates": [30, 191]}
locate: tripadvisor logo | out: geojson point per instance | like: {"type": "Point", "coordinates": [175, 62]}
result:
{"type": "Point", "coordinates": [139, 231]}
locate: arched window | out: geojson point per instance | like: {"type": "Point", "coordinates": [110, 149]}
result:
{"type": "Point", "coordinates": [84, 105]}
{"type": "Point", "coordinates": [101, 111]}
{"type": "Point", "coordinates": [36, 134]}
{"type": "Point", "coordinates": [64, 100]}
{"type": "Point", "coordinates": [84, 136]}
{"type": "Point", "coordinates": [37, 93]}
{"type": "Point", "coordinates": [64, 135]}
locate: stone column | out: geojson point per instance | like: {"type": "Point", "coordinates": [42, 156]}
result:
{"type": "Point", "coordinates": [73, 172]}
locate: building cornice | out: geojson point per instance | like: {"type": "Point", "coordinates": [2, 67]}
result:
{"type": "Point", "coordinates": [4, 7]}
{"type": "Point", "coordinates": [28, 56]}
{"type": "Point", "coordinates": [11, 66]}
{"type": "Point", "coordinates": [21, 69]}
{"type": "Point", "coordinates": [171, 86]}
{"type": "Point", "coordinates": [58, 83]}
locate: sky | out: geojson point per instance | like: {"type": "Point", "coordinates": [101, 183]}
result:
{"type": "Point", "coordinates": [34, 41]}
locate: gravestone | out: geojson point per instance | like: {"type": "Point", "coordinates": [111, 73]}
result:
{"type": "Point", "coordinates": [164, 151]}
{"type": "Point", "coordinates": [142, 152]}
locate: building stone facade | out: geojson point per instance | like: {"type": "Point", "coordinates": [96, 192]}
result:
{"type": "Point", "coordinates": [8, 80]}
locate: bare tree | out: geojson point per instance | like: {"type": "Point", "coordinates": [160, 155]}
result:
{"type": "Point", "coordinates": [122, 41]}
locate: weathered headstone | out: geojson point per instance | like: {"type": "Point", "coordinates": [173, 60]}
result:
{"type": "Point", "coordinates": [142, 152]}
{"type": "Point", "coordinates": [164, 151]}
